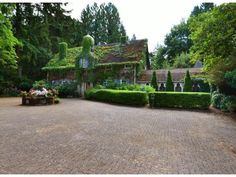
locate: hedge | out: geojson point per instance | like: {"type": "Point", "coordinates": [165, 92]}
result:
{"type": "Point", "coordinates": [180, 100]}
{"type": "Point", "coordinates": [133, 98]}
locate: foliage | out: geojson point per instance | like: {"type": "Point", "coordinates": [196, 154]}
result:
{"type": "Point", "coordinates": [216, 99]}
{"type": "Point", "coordinates": [131, 87]}
{"type": "Point", "coordinates": [180, 100]}
{"type": "Point", "coordinates": [103, 23]}
{"type": "Point", "coordinates": [62, 50]}
{"type": "Point", "coordinates": [187, 82]}
{"type": "Point", "coordinates": [213, 36]}
{"type": "Point", "coordinates": [182, 61]}
{"type": "Point", "coordinates": [65, 89]}
{"type": "Point", "coordinates": [223, 102]}
{"type": "Point", "coordinates": [133, 98]}
{"type": "Point", "coordinates": [8, 42]}
{"type": "Point", "coordinates": [177, 41]}
{"type": "Point", "coordinates": [38, 85]}
{"type": "Point", "coordinates": [204, 7]}
{"type": "Point", "coordinates": [40, 27]}
{"type": "Point", "coordinates": [154, 81]}
{"type": "Point", "coordinates": [230, 77]}
{"type": "Point", "coordinates": [158, 59]}
{"type": "Point", "coordinates": [202, 82]}
{"type": "Point", "coordinates": [169, 82]}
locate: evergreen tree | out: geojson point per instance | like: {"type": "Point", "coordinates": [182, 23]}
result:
{"type": "Point", "coordinates": [169, 82]}
{"type": "Point", "coordinates": [154, 81]}
{"type": "Point", "coordinates": [103, 23]}
{"type": "Point", "coordinates": [187, 82]}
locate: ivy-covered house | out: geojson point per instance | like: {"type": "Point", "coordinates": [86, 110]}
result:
{"type": "Point", "coordinates": [120, 62]}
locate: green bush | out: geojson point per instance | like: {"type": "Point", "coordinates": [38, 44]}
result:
{"type": "Point", "coordinates": [66, 89]}
{"type": "Point", "coordinates": [169, 82]}
{"type": "Point", "coordinates": [180, 100]}
{"type": "Point", "coordinates": [133, 98]}
{"type": "Point", "coordinates": [216, 99]}
{"type": "Point", "coordinates": [154, 81]}
{"type": "Point", "coordinates": [223, 102]}
{"type": "Point", "coordinates": [187, 82]}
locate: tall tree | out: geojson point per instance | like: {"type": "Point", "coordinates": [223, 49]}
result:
{"type": "Point", "coordinates": [214, 42]}
{"type": "Point", "coordinates": [103, 23]}
{"type": "Point", "coordinates": [177, 41]}
{"type": "Point", "coordinates": [8, 42]}
{"type": "Point", "coordinates": [204, 7]}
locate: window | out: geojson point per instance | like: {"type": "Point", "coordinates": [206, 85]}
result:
{"type": "Point", "coordinates": [128, 66]}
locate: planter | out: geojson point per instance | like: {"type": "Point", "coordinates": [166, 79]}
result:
{"type": "Point", "coordinates": [37, 101]}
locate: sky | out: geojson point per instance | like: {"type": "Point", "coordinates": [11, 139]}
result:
{"type": "Point", "coordinates": [149, 19]}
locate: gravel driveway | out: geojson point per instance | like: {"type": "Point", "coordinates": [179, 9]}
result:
{"type": "Point", "coordinates": [79, 136]}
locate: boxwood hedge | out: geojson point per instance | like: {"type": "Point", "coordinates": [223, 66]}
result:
{"type": "Point", "coordinates": [133, 98]}
{"type": "Point", "coordinates": [180, 100]}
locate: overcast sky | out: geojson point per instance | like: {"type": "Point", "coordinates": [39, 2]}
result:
{"type": "Point", "coordinates": [151, 19]}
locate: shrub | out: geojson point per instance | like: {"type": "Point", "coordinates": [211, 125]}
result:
{"type": "Point", "coordinates": [231, 78]}
{"type": "Point", "coordinates": [133, 98]}
{"type": "Point", "coordinates": [187, 82]}
{"type": "Point", "coordinates": [225, 103]}
{"type": "Point", "coordinates": [169, 82]}
{"type": "Point", "coordinates": [216, 99]}
{"type": "Point", "coordinates": [39, 84]}
{"type": "Point", "coordinates": [154, 81]}
{"type": "Point", "coordinates": [180, 100]}
{"type": "Point", "coordinates": [204, 85]}
{"type": "Point", "coordinates": [65, 89]}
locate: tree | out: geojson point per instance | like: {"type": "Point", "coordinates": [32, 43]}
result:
{"type": "Point", "coordinates": [182, 61]}
{"type": "Point", "coordinates": [177, 41]}
{"type": "Point", "coordinates": [40, 27]}
{"type": "Point", "coordinates": [158, 58]}
{"type": "Point", "coordinates": [204, 7]}
{"type": "Point", "coordinates": [187, 82]}
{"type": "Point", "coordinates": [103, 23]}
{"type": "Point", "coordinates": [214, 41]}
{"type": "Point", "coordinates": [169, 82]}
{"type": "Point", "coordinates": [154, 81]}
{"type": "Point", "coordinates": [8, 42]}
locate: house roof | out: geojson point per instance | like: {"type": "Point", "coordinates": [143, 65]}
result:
{"type": "Point", "coordinates": [177, 74]}
{"type": "Point", "coordinates": [107, 54]}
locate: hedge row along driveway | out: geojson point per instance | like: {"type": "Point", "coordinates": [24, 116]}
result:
{"type": "Point", "coordinates": [186, 100]}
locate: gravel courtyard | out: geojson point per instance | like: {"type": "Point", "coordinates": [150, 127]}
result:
{"type": "Point", "coordinates": [79, 136]}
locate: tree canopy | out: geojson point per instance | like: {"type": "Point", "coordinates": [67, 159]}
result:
{"type": "Point", "coordinates": [214, 41]}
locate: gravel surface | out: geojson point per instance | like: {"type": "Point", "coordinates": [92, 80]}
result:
{"type": "Point", "coordinates": [79, 136]}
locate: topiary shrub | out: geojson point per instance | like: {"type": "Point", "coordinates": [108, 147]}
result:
{"type": "Point", "coordinates": [169, 82]}
{"type": "Point", "coordinates": [124, 97]}
{"type": "Point", "coordinates": [180, 100]}
{"type": "Point", "coordinates": [62, 50]}
{"type": "Point", "coordinates": [154, 81]}
{"type": "Point", "coordinates": [187, 82]}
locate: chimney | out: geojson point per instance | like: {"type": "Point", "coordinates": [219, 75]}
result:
{"type": "Point", "coordinates": [62, 50]}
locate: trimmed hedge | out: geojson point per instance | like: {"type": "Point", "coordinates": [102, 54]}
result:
{"type": "Point", "coordinates": [180, 100]}
{"type": "Point", "coordinates": [133, 98]}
